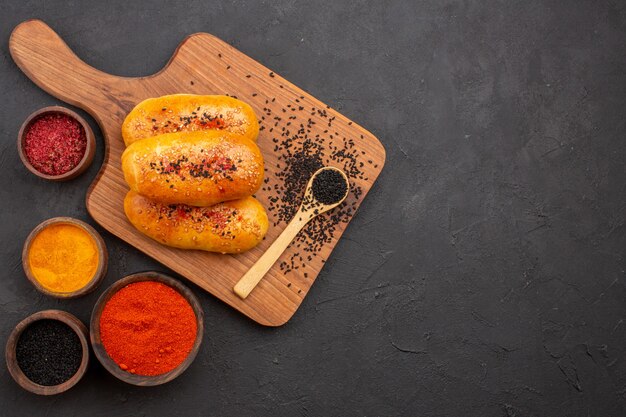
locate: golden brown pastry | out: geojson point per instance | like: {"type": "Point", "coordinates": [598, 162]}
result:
{"type": "Point", "coordinates": [189, 113]}
{"type": "Point", "coordinates": [229, 227]}
{"type": "Point", "coordinates": [199, 168]}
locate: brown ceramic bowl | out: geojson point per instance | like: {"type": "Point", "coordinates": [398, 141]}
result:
{"type": "Point", "coordinates": [103, 257]}
{"type": "Point", "coordinates": [15, 370]}
{"type": "Point", "coordinates": [89, 151]}
{"type": "Point", "coordinates": [103, 356]}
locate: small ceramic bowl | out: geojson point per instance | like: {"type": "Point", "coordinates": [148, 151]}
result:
{"type": "Point", "coordinates": [103, 356]}
{"type": "Point", "coordinates": [84, 162]}
{"type": "Point", "coordinates": [103, 257]}
{"type": "Point", "coordinates": [10, 353]}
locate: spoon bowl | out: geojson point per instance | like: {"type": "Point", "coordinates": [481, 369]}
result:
{"type": "Point", "coordinates": [311, 206]}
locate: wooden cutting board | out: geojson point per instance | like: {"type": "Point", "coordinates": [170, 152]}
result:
{"type": "Point", "coordinates": [290, 118]}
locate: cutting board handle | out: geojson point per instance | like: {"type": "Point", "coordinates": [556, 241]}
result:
{"type": "Point", "coordinates": [50, 63]}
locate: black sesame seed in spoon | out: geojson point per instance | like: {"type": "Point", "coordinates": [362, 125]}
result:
{"type": "Point", "coordinates": [329, 186]}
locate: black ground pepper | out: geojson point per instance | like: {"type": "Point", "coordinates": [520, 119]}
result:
{"type": "Point", "coordinates": [49, 352]}
{"type": "Point", "coordinates": [329, 186]}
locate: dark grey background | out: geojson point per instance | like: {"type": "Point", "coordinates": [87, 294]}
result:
{"type": "Point", "coordinates": [483, 276]}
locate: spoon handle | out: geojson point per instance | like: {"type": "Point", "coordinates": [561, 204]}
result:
{"type": "Point", "coordinates": [250, 280]}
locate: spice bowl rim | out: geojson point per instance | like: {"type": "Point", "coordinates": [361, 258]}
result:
{"type": "Point", "coordinates": [96, 341]}
{"type": "Point", "coordinates": [85, 161]}
{"type": "Point", "coordinates": [103, 257]}
{"type": "Point", "coordinates": [11, 357]}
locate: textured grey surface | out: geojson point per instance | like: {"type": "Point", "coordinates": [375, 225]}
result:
{"type": "Point", "coordinates": [483, 276]}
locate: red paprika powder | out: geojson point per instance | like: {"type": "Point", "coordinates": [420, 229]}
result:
{"type": "Point", "coordinates": [55, 143]}
{"type": "Point", "coordinates": [148, 328]}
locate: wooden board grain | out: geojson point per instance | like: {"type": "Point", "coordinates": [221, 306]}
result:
{"type": "Point", "coordinates": [204, 64]}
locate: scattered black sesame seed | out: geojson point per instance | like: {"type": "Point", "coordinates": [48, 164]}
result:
{"type": "Point", "coordinates": [302, 149]}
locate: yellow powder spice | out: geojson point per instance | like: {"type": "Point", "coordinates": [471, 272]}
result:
{"type": "Point", "coordinates": [63, 258]}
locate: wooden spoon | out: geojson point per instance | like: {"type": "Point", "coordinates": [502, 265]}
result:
{"type": "Point", "coordinates": [309, 209]}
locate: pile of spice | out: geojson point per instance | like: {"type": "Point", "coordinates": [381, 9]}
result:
{"type": "Point", "coordinates": [63, 258]}
{"type": "Point", "coordinates": [306, 140]}
{"type": "Point", "coordinates": [329, 186]}
{"type": "Point", "coordinates": [55, 143]}
{"type": "Point", "coordinates": [49, 352]}
{"type": "Point", "coordinates": [148, 328]}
